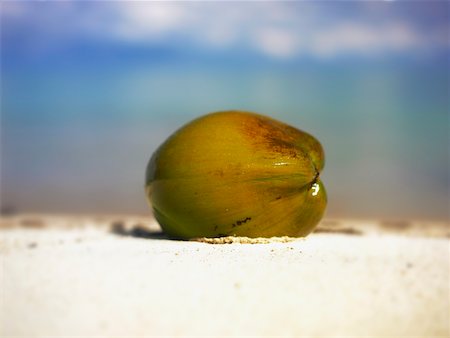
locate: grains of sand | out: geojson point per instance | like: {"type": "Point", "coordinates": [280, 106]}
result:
{"type": "Point", "coordinates": [246, 240]}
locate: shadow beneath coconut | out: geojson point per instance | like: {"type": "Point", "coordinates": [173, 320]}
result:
{"type": "Point", "coordinates": [137, 231]}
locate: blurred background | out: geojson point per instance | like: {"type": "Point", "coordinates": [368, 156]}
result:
{"type": "Point", "coordinates": [90, 89]}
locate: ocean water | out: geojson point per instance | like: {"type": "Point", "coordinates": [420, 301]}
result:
{"type": "Point", "coordinates": [84, 147]}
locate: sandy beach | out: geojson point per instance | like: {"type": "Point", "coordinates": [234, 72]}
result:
{"type": "Point", "coordinates": [108, 276]}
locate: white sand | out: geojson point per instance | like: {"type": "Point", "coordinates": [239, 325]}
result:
{"type": "Point", "coordinates": [80, 281]}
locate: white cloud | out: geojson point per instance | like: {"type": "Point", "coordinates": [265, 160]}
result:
{"type": "Point", "coordinates": [277, 42]}
{"type": "Point", "coordinates": [276, 29]}
{"type": "Point", "coordinates": [364, 39]}
{"type": "Point", "coordinates": [139, 21]}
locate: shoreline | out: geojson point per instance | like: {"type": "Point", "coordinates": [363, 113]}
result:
{"type": "Point", "coordinates": [348, 226]}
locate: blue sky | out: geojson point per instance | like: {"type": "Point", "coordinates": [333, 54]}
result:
{"type": "Point", "coordinates": [282, 30]}
{"type": "Point", "coordinates": [89, 90]}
